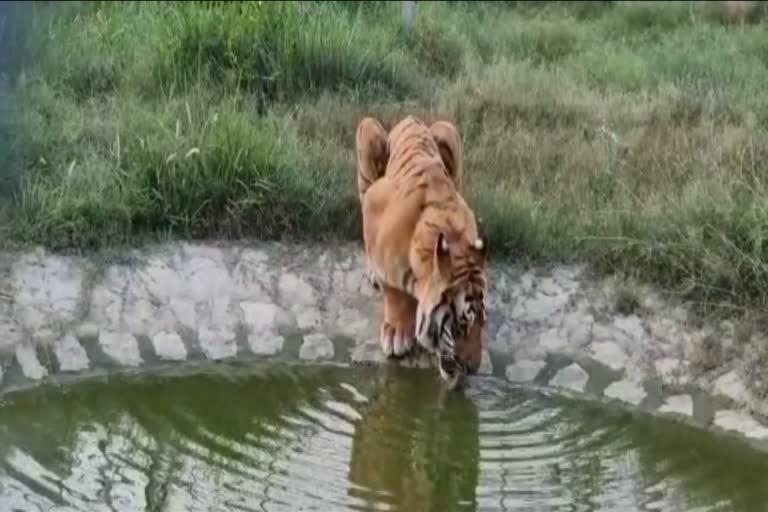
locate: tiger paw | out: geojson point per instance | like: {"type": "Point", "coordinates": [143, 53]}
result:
{"type": "Point", "coordinates": [372, 280]}
{"type": "Point", "coordinates": [395, 341]}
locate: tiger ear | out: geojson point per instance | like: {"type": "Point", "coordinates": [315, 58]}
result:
{"type": "Point", "coordinates": [442, 256]}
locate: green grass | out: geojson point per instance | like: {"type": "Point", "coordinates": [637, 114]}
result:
{"type": "Point", "coordinates": [631, 135]}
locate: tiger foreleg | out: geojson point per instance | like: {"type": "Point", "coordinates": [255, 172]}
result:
{"type": "Point", "coordinates": [398, 328]}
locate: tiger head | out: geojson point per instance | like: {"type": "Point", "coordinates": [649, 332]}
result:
{"type": "Point", "coordinates": [453, 299]}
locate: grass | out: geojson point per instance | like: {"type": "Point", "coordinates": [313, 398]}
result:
{"type": "Point", "coordinates": [632, 135]}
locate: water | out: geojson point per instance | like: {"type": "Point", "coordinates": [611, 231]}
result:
{"type": "Point", "coordinates": [353, 439]}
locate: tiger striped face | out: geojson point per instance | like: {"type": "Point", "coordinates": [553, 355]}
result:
{"type": "Point", "coordinates": [454, 299]}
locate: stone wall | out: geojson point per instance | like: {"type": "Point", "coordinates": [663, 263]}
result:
{"type": "Point", "coordinates": [182, 303]}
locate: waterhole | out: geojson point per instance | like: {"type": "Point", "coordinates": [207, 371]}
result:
{"type": "Point", "coordinates": [327, 438]}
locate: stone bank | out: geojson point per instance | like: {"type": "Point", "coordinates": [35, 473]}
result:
{"type": "Point", "coordinates": [555, 328]}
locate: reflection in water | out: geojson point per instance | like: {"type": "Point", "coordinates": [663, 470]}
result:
{"type": "Point", "coordinates": [353, 439]}
{"type": "Point", "coordinates": [417, 446]}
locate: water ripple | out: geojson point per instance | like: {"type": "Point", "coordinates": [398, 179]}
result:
{"type": "Point", "coordinates": [361, 440]}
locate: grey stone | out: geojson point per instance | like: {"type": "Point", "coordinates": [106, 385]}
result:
{"type": "Point", "coordinates": [603, 332]}
{"type": "Point", "coordinates": [610, 354]}
{"type": "Point", "coordinates": [266, 346]}
{"type": "Point", "coordinates": [169, 346]}
{"type": "Point", "coordinates": [524, 371]}
{"type": "Point", "coordinates": [732, 386]}
{"type": "Point", "coordinates": [630, 325]}
{"type": "Point", "coordinates": [571, 377]}
{"type": "Point", "coordinates": [352, 322]}
{"type": "Point", "coordinates": [626, 391]}
{"type": "Point", "coordinates": [295, 291]}
{"type": "Point", "coordinates": [30, 365]}
{"type": "Point", "coordinates": [369, 351]}
{"type": "Point", "coordinates": [671, 371]}
{"type": "Point", "coordinates": [547, 286]}
{"type": "Point", "coordinates": [87, 330]}
{"type": "Point", "coordinates": [742, 422]}
{"type": "Point", "coordinates": [316, 346]}
{"type": "Point", "coordinates": [262, 320]}
{"type": "Point", "coordinates": [578, 327]}
{"type": "Point", "coordinates": [260, 317]}
{"type": "Point", "coordinates": [217, 342]}
{"type": "Point", "coordinates": [540, 308]}
{"type": "Point", "coordinates": [120, 347]}
{"type": "Point", "coordinates": [553, 340]}
{"type": "Point", "coordinates": [678, 404]}
{"type": "Point", "coordinates": [47, 295]}
{"type": "Point", "coordinates": [70, 354]}
{"type": "Point", "coordinates": [486, 366]}
{"type": "Point", "coordinates": [307, 318]}
{"type": "Point", "coordinates": [10, 334]}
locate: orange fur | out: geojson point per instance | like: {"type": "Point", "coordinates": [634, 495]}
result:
{"type": "Point", "coordinates": [421, 237]}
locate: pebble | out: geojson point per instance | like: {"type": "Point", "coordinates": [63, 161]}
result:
{"type": "Point", "coordinates": [626, 391]}
{"type": "Point", "coordinates": [571, 377]}
{"type": "Point", "coordinates": [120, 347]}
{"type": "Point", "coordinates": [678, 404]}
{"type": "Point", "coordinates": [316, 346]}
{"type": "Point", "coordinates": [524, 371]}
{"type": "Point", "coordinates": [741, 422]}
{"type": "Point", "coordinates": [26, 356]}
{"type": "Point", "coordinates": [169, 346]}
{"type": "Point", "coordinates": [70, 354]}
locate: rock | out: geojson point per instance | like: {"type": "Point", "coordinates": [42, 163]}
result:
{"type": "Point", "coordinates": [307, 318]}
{"type": "Point", "coordinates": [266, 346]}
{"type": "Point", "coordinates": [524, 371]}
{"type": "Point", "coordinates": [10, 335]}
{"type": "Point", "coordinates": [732, 386]}
{"type": "Point", "coordinates": [217, 342]}
{"type": "Point", "coordinates": [578, 328]}
{"type": "Point", "coordinates": [486, 366]}
{"type": "Point", "coordinates": [741, 422]}
{"type": "Point", "coordinates": [26, 356]}
{"type": "Point", "coordinates": [547, 286]}
{"type": "Point", "coordinates": [553, 340]}
{"type": "Point", "coordinates": [295, 291]}
{"type": "Point", "coordinates": [260, 317]}
{"type": "Point", "coordinates": [316, 346]}
{"type": "Point", "coordinates": [120, 347]}
{"type": "Point", "coordinates": [630, 325]}
{"type": "Point", "coordinates": [609, 354]}
{"type": "Point", "coordinates": [169, 346]}
{"type": "Point", "coordinates": [47, 295]}
{"type": "Point", "coordinates": [70, 354]}
{"type": "Point", "coordinates": [667, 367]}
{"type": "Point", "coordinates": [626, 391]}
{"type": "Point", "coordinates": [678, 404]}
{"type": "Point", "coordinates": [367, 352]}
{"type": "Point", "coordinates": [262, 321]}
{"type": "Point", "coordinates": [540, 308]}
{"type": "Point", "coordinates": [571, 377]}
{"type": "Point", "coordinates": [87, 330]}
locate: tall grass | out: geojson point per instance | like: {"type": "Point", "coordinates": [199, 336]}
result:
{"type": "Point", "coordinates": [633, 135]}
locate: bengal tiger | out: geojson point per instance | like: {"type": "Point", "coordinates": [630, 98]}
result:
{"type": "Point", "coordinates": [421, 239]}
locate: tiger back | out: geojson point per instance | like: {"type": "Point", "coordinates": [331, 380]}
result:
{"type": "Point", "coordinates": [421, 237]}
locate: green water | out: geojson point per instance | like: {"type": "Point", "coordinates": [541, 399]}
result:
{"type": "Point", "coordinates": [353, 439]}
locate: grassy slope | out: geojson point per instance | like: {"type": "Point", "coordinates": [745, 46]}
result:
{"type": "Point", "coordinates": [633, 136]}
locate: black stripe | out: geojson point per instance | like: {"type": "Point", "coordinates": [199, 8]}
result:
{"type": "Point", "coordinates": [407, 280]}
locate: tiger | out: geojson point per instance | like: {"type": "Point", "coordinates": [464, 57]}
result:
{"type": "Point", "coordinates": [423, 250]}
